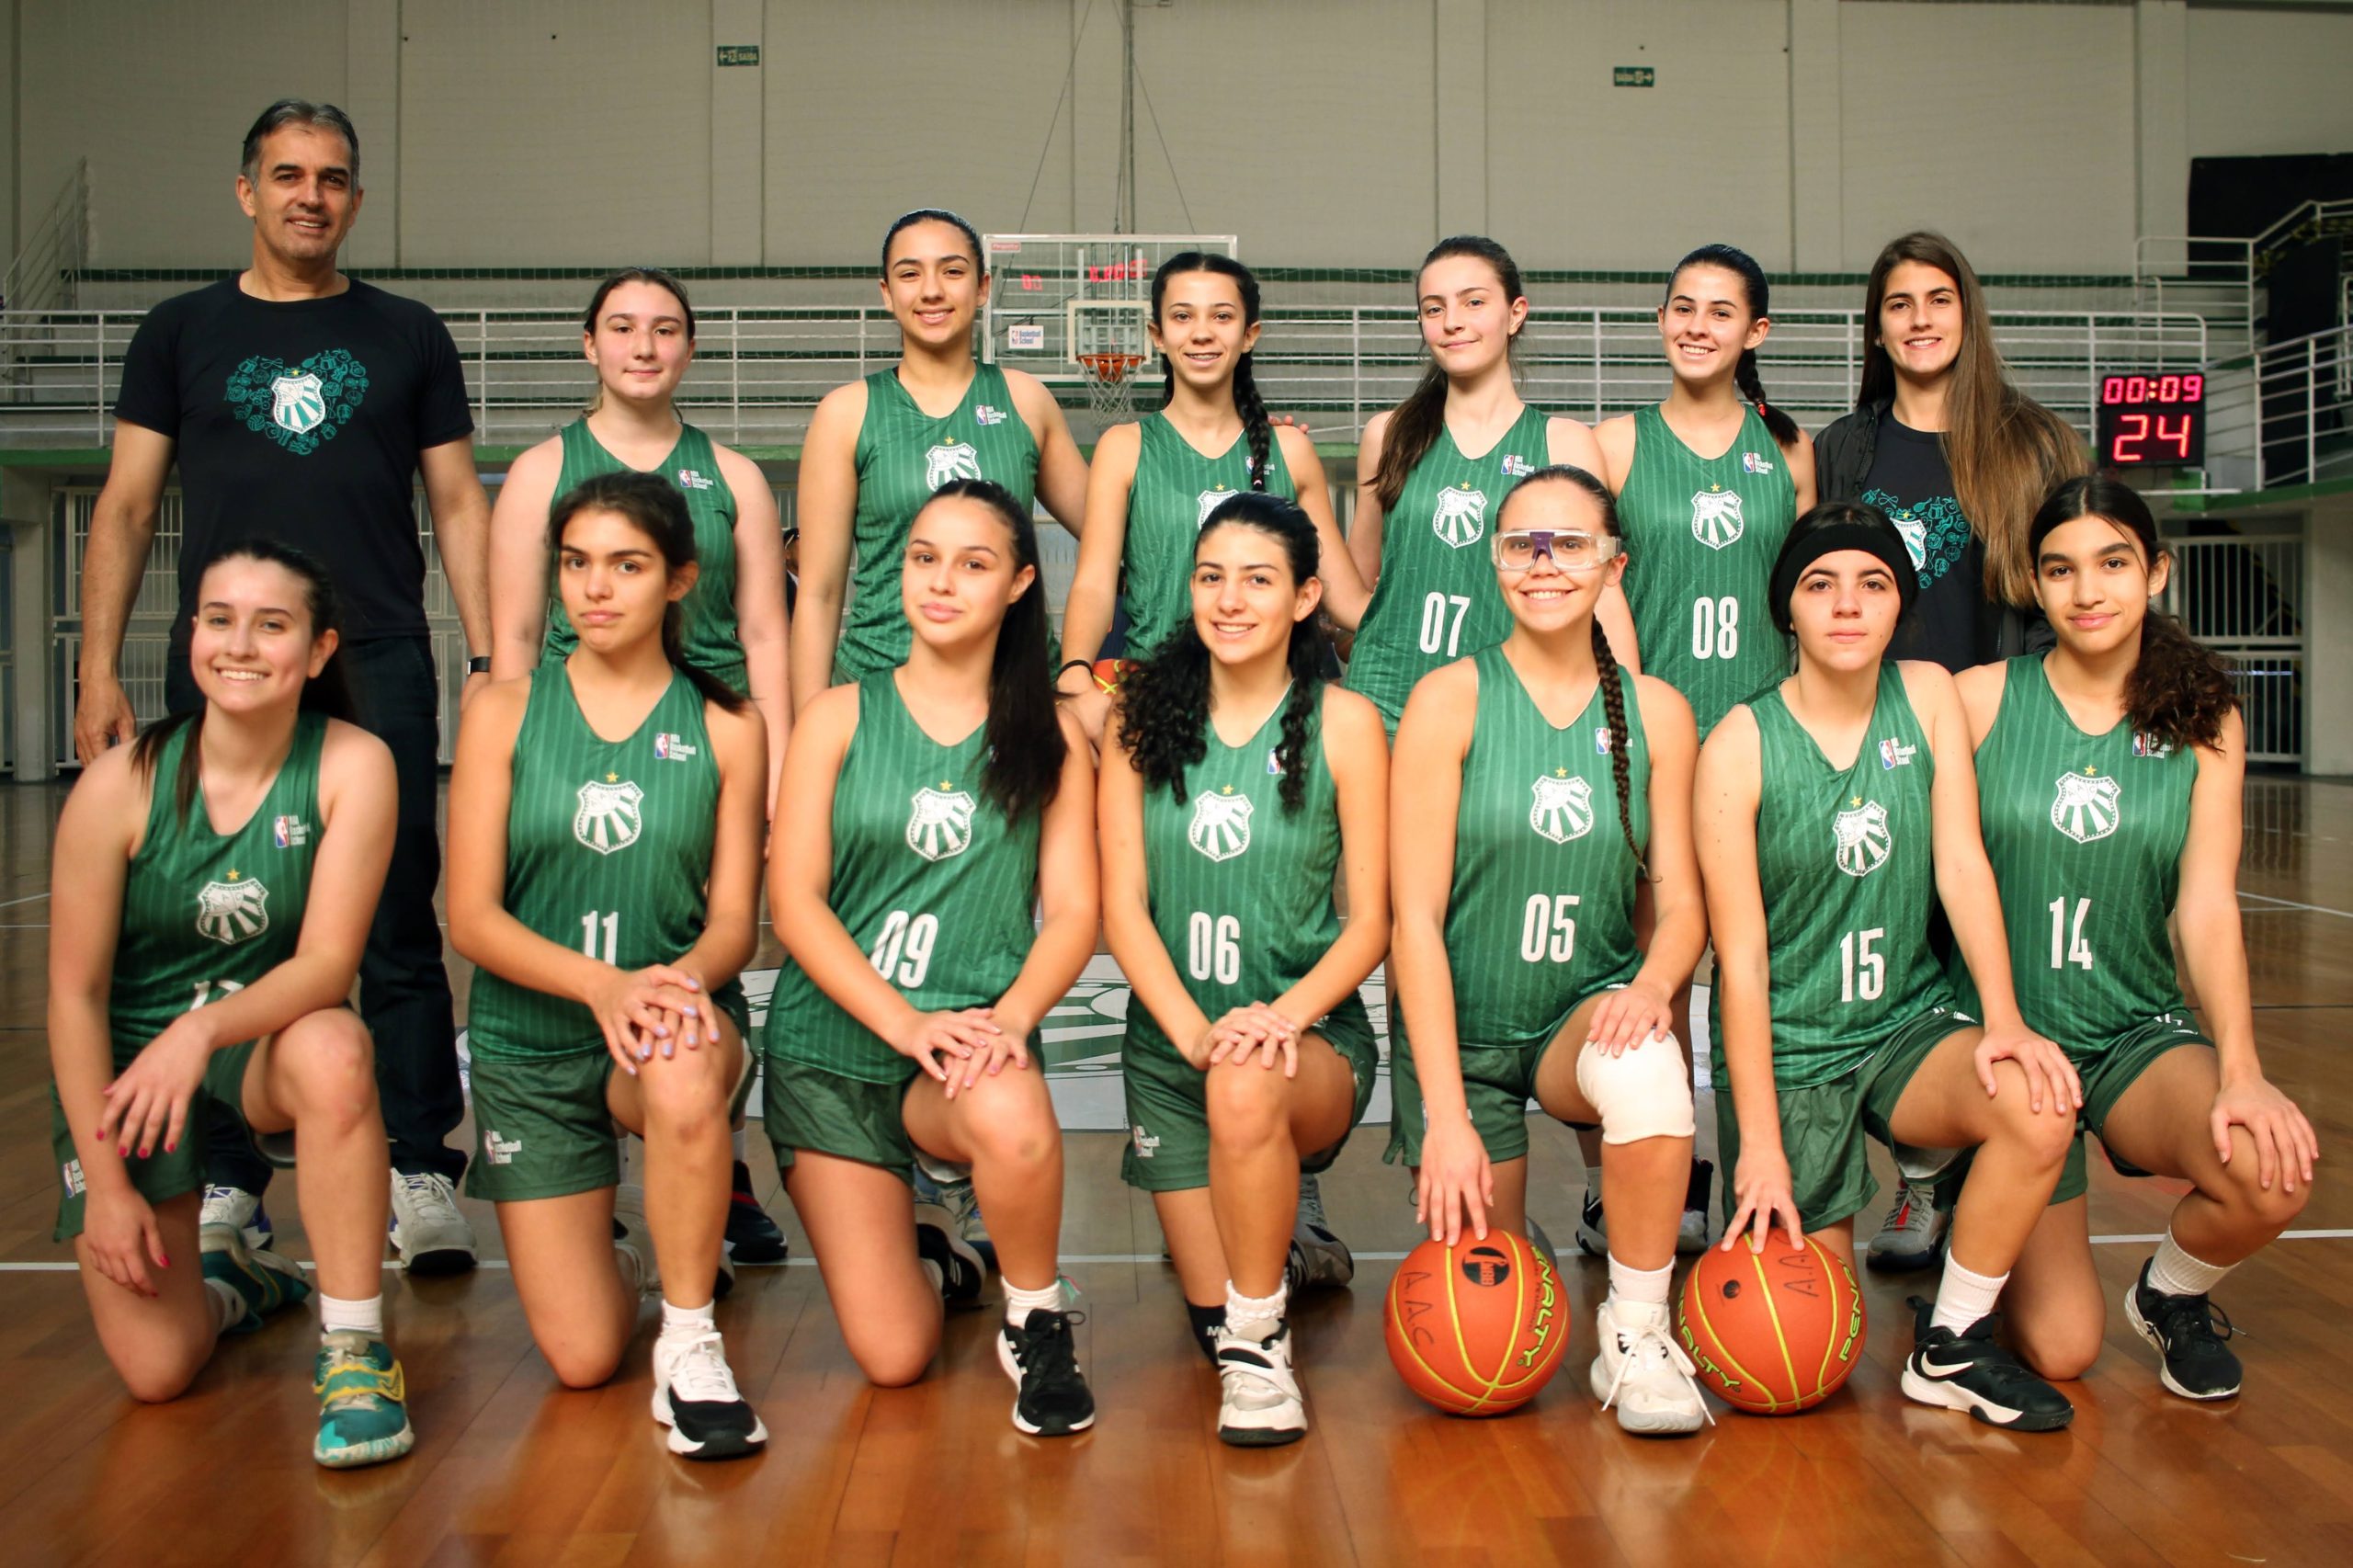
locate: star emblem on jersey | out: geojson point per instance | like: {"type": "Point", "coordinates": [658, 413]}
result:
{"type": "Point", "coordinates": [1562, 808]}
{"type": "Point", "coordinates": [1715, 517]}
{"type": "Point", "coordinates": [1210, 500]}
{"type": "Point", "coordinates": [2086, 806]}
{"type": "Point", "coordinates": [1461, 515]}
{"type": "Point", "coordinates": [230, 912]}
{"type": "Point", "coordinates": [1862, 838]}
{"type": "Point", "coordinates": [949, 460]}
{"type": "Point", "coordinates": [609, 818]}
{"type": "Point", "coordinates": [1221, 827]}
{"type": "Point", "coordinates": [941, 824]}
{"type": "Point", "coordinates": [301, 407]}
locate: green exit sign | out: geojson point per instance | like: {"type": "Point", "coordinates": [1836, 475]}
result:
{"type": "Point", "coordinates": [739, 54]}
{"type": "Point", "coordinates": [1620, 76]}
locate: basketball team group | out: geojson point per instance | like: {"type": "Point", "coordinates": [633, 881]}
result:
{"type": "Point", "coordinates": [1888, 719]}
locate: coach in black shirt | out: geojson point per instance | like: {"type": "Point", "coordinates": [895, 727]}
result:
{"type": "Point", "coordinates": [302, 406]}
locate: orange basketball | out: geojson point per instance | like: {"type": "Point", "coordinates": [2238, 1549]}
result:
{"type": "Point", "coordinates": [1478, 1327]}
{"type": "Point", "coordinates": [1775, 1332]}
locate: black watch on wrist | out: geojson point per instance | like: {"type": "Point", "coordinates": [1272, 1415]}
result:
{"type": "Point", "coordinates": [479, 665]}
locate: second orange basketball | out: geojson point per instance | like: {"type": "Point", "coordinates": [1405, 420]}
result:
{"type": "Point", "coordinates": [1479, 1327]}
{"type": "Point", "coordinates": [1775, 1332]}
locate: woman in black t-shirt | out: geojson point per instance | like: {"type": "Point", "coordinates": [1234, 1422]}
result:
{"type": "Point", "coordinates": [1943, 443]}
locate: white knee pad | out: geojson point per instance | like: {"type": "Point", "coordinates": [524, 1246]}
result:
{"type": "Point", "coordinates": [1640, 1093]}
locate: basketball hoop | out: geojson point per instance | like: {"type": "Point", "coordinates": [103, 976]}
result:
{"type": "Point", "coordinates": [1108, 392]}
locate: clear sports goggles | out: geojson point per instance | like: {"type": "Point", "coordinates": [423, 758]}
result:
{"type": "Point", "coordinates": [1569, 551]}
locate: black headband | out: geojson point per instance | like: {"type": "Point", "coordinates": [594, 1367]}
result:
{"type": "Point", "coordinates": [1880, 539]}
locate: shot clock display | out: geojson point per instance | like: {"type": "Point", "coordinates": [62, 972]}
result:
{"type": "Point", "coordinates": [2152, 421]}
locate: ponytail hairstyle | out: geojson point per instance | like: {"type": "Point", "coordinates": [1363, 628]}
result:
{"type": "Point", "coordinates": [1415, 424]}
{"type": "Point", "coordinates": [1605, 658]}
{"type": "Point", "coordinates": [1255, 427]}
{"type": "Point", "coordinates": [1759, 295]}
{"type": "Point", "coordinates": [1025, 743]}
{"type": "Point", "coordinates": [328, 692]}
{"type": "Point", "coordinates": [1164, 701]}
{"type": "Point", "coordinates": [654, 275]}
{"type": "Point", "coordinates": [2006, 450]}
{"type": "Point", "coordinates": [2179, 691]}
{"type": "Point", "coordinates": [932, 215]}
{"type": "Point", "coordinates": [652, 506]}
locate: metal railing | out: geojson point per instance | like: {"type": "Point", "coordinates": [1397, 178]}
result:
{"type": "Point", "coordinates": [2244, 595]}
{"type": "Point", "coordinates": [759, 372]}
{"type": "Point", "coordinates": [47, 269]}
{"type": "Point", "coordinates": [2213, 276]}
{"type": "Point", "coordinates": [2282, 415]}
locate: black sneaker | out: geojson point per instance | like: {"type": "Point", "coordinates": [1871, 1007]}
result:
{"type": "Point", "coordinates": [2197, 1363]}
{"type": "Point", "coordinates": [695, 1396]}
{"type": "Point", "coordinates": [754, 1238]}
{"type": "Point", "coordinates": [961, 1272]}
{"type": "Point", "coordinates": [1593, 1231]}
{"type": "Point", "coordinates": [1043, 1360]}
{"type": "Point", "coordinates": [1969, 1372]}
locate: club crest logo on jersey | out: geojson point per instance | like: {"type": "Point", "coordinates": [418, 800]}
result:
{"type": "Point", "coordinates": [1563, 808]}
{"type": "Point", "coordinates": [988, 413]}
{"type": "Point", "coordinates": [1893, 753]}
{"type": "Point", "coordinates": [300, 406]}
{"type": "Point", "coordinates": [290, 833]}
{"type": "Point", "coordinates": [1221, 827]}
{"type": "Point", "coordinates": [2085, 806]}
{"type": "Point", "coordinates": [2146, 744]}
{"type": "Point", "coordinates": [1461, 515]}
{"type": "Point", "coordinates": [690, 480]}
{"type": "Point", "coordinates": [232, 911]}
{"type": "Point", "coordinates": [1862, 838]}
{"type": "Point", "coordinates": [1210, 500]}
{"type": "Point", "coordinates": [940, 825]}
{"type": "Point", "coordinates": [949, 460]}
{"type": "Point", "coordinates": [1715, 517]}
{"type": "Point", "coordinates": [609, 818]}
{"type": "Point", "coordinates": [1516, 467]}
{"type": "Point", "coordinates": [1754, 463]}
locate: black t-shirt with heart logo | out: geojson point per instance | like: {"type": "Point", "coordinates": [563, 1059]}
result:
{"type": "Point", "coordinates": [302, 420]}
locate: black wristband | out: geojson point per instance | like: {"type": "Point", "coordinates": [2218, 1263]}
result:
{"type": "Point", "coordinates": [479, 665]}
{"type": "Point", "coordinates": [1087, 664]}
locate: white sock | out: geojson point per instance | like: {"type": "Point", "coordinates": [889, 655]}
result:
{"type": "Point", "coordinates": [339, 1316]}
{"type": "Point", "coordinates": [1962, 1298]}
{"type": "Point", "coordinates": [1638, 1296]}
{"type": "Point", "coordinates": [737, 1142]}
{"type": "Point", "coordinates": [228, 1307]}
{"type": "Point", "coordinates": [2173, 1272]}
{"type": "Point", "coordinates": [1019, 1304]}
{"type": "Point", "coordinates": [686, 1322]}
{"type": "Point", "coordinates": [1241, 1309]}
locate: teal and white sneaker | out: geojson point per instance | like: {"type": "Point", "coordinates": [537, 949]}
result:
{"type": "Point", "coordinates": [363, 1403]}
{"type": "Point", "coordinates": [265, 1282]}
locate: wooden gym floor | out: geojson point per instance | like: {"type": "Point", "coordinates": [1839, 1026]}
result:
{"type": "Point", "coordinates": [510, 1468]}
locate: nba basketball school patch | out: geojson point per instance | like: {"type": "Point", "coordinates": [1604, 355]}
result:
{"type": "Point", "coordinates": [1516, 467]}
{"type": "Point", "coordinates": [1895, 753]}
{"type": "Point", "coordinates": [690, 480]}
{"type": "Point", "coordinates": [673, 749]}
{"type": "Point", "coordinates": [500, 1151]}
{"type": "Point", "coordinates": [988, 413]}
{"type": "Point", "coordinates": [290, 833]}
{"type": "Point", "coordinates": [1752, 462]}
{"type": "Point", "coordinates": [2146, 744]}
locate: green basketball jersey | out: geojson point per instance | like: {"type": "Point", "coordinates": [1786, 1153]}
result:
{"type": "Point", "coordinates": [1701, 536]}
{"type": "Point", "coordinates": [904, 454]}
{"type": "Point", "coordinates": [928, 877]}
{"type": "Point", "coordinates": [1436, 600]}
{"type": "Point", "coordinates": [607, 851]}
{"type": "Point", "coordinates": [1541, 911]}
{"type": "Point", "coordinates": [2085, 835]}
{"type": "Point", "coordinates": [1176, 490]}
{"type": "Point", "coordinates": [1240, 887]}
{"type": "Point", "coordinates": [205, 914]}
{"type": "Point", "coordinates": [1846, 860]}
{"type": "Point", "coordinates": [706, 625]}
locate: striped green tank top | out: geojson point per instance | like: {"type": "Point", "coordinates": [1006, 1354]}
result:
{"type": "Point", "coordinates": [607, 851]}
{"type": "Point", "coordinates": [2085, 835]}
{"type": "Point", "coordinates": [1176, 490]}
{"type": "Point", "coordinates": [205, 914]}
{"type": "Point", "coordinates": [1541, 909]}
{"type": "Point", "coordinates": [1240, 888]}
{"type": "Point", "coordinates": [904, 454]}
{"type": "Point", "coordinates": [1844, 856]}
{"type": "Point", "coordinates": [1701, 536]}
{"type": "Point", "coordinates": [706, 625]}
{"type": "Point", "coordinates": [1436, 600]}
{"type": "Point", "coordinates": [928, 877]}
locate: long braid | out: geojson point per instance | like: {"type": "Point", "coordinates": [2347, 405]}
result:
{"type": "Point", "coordinates": [1744, 376]}
{"type": "Point", "coordinates": [1308, 645]}
{"type": "Point", "coordinates": [1613, 703]}
{"type": "Point", "coordinates": [1249, 404]}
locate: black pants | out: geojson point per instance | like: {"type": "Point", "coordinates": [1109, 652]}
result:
{"type": "Point", "coordinates": [403, 991]}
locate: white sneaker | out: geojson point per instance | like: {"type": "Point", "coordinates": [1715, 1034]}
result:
{"type": "Point", "coordinates": [431, 1235]}
{"type": "Point", "coordinates": [1646, 1377]}
{"type": "Point", "coordinates": [1259, 1404]}
{"type": "Point", "coordinates": [961, 1272]}
{"type": "Point", "coordinates": [1319, 1258]}
{"type": "Point", "coordinates": [236, 1206]}
{"type": "Point", "coordinates": [1913, 1231]}
{"type": "Point", "coordinates": [695, 1396]}
{"type": "Point", "coordinates": [633, 1240]}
